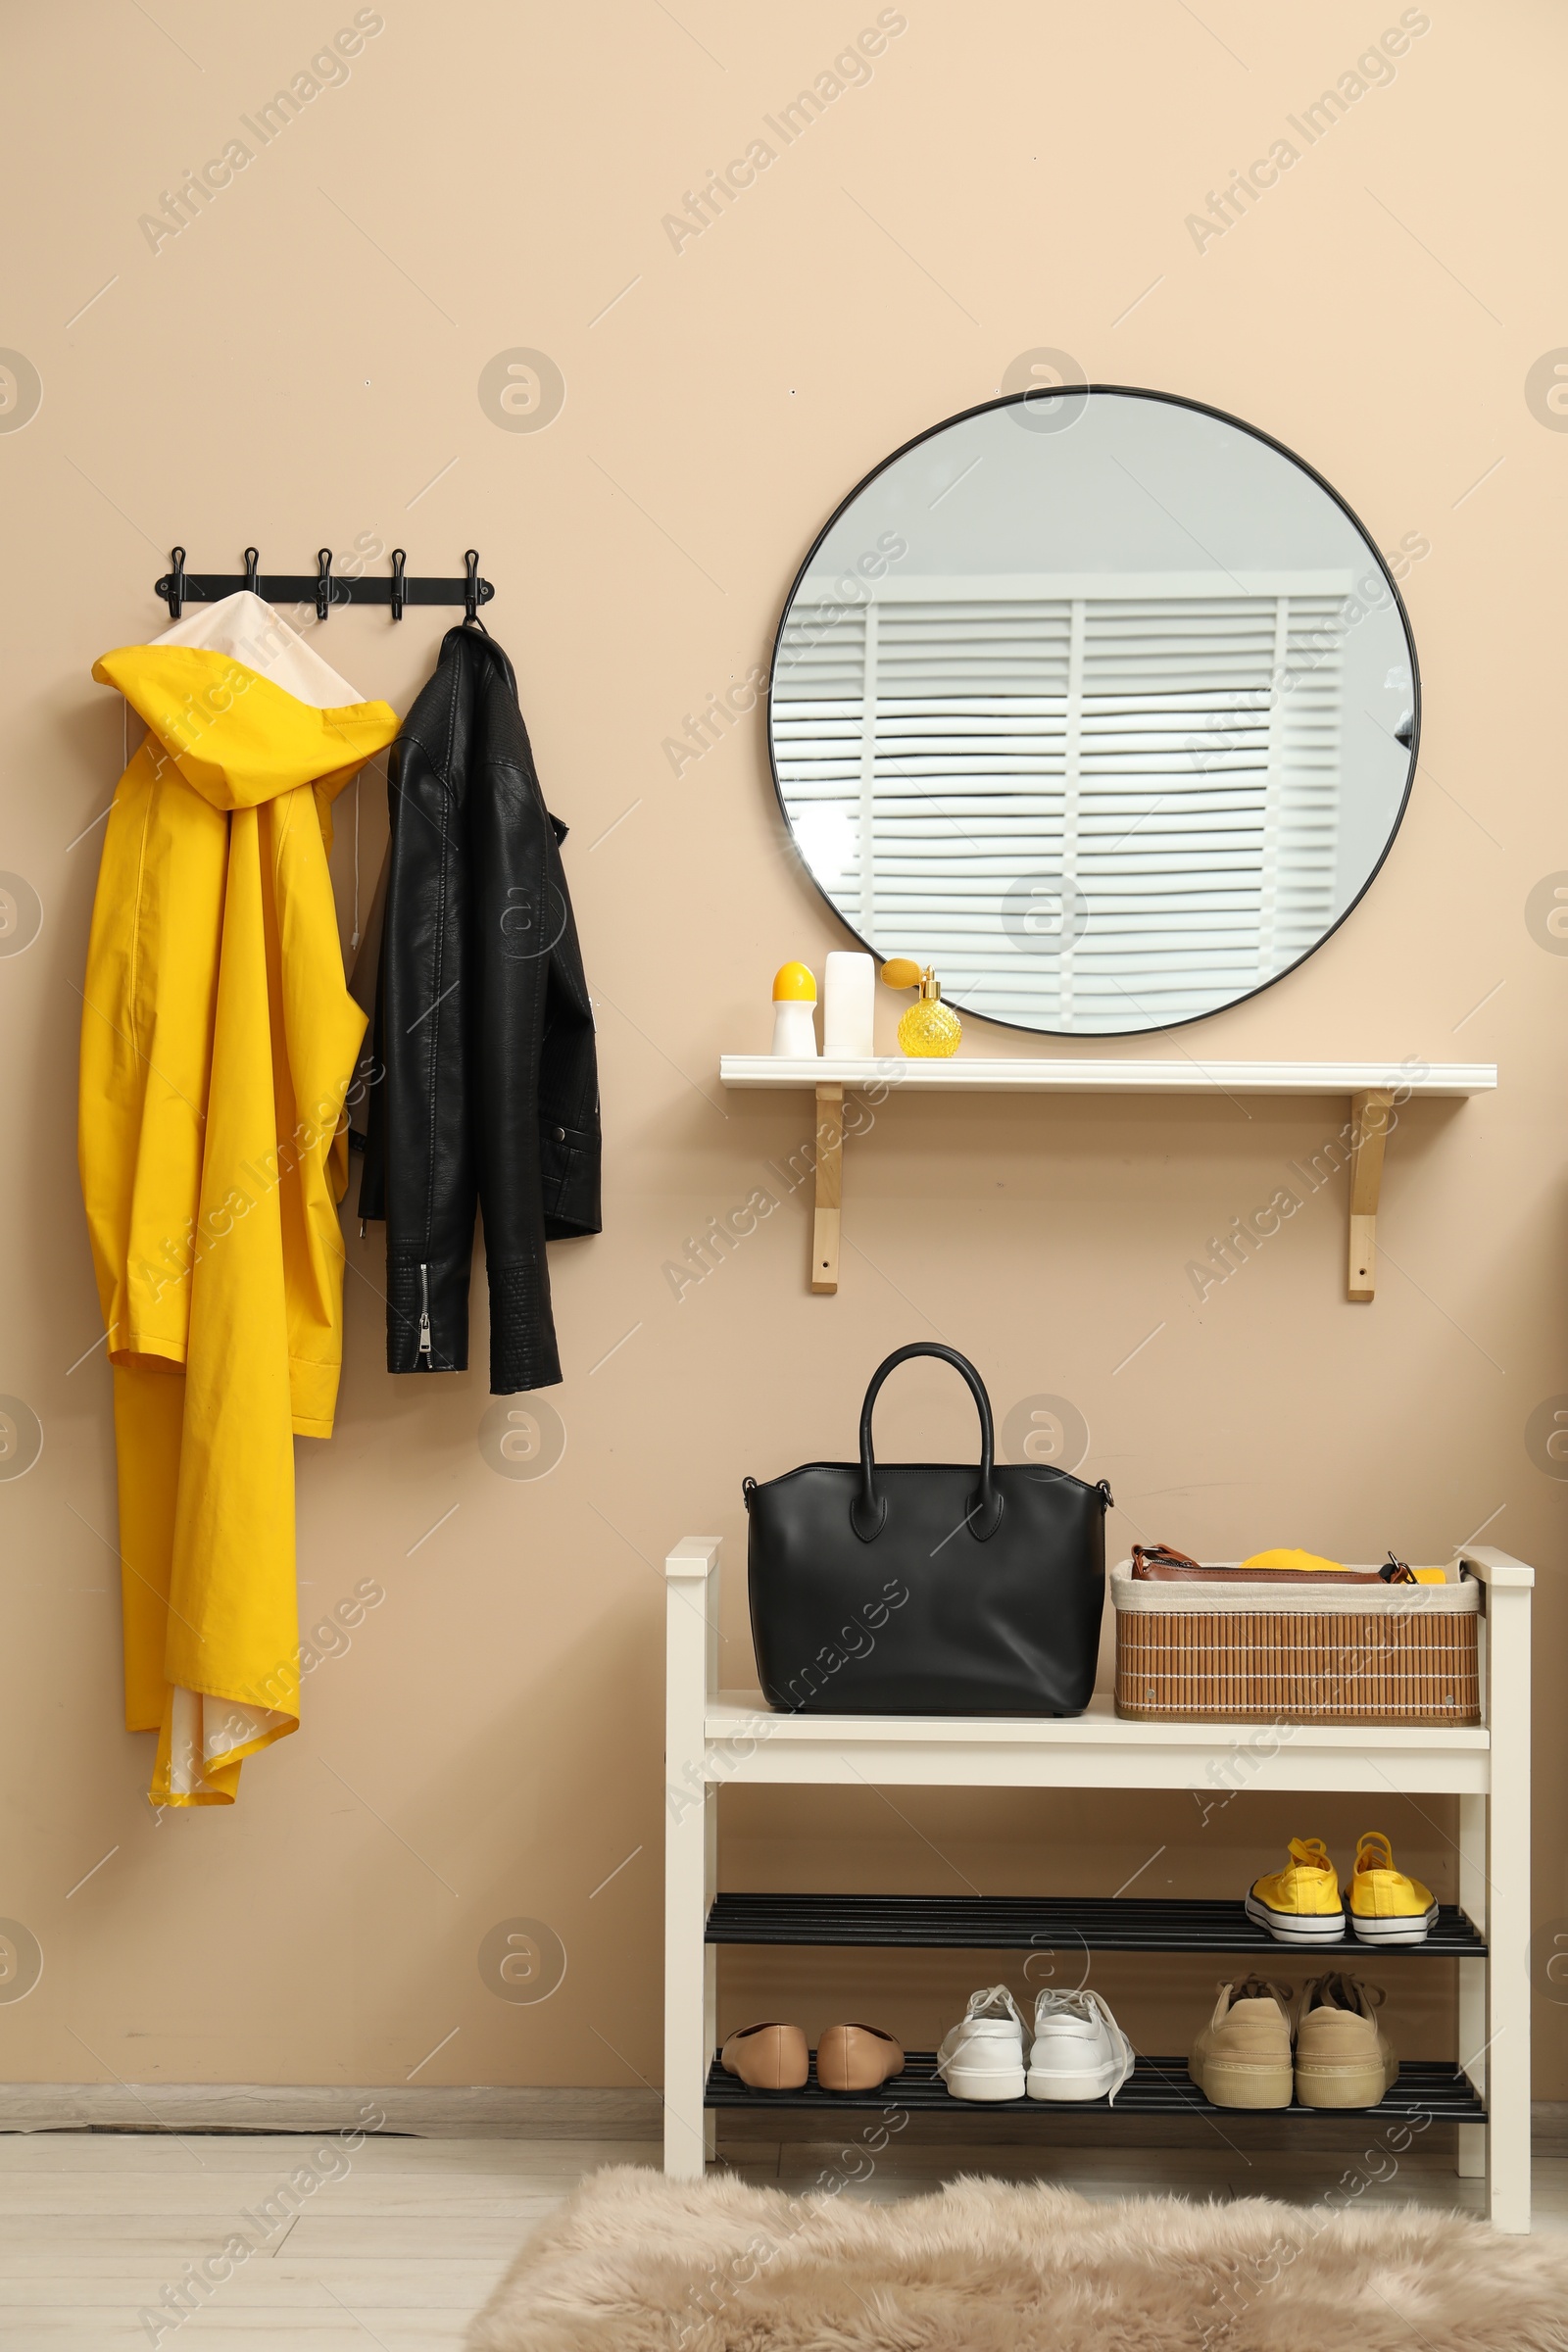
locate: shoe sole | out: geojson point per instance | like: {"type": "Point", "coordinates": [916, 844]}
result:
{"type": "Point", "coordinates": [1092, 2083]}
{"type": "Point", "coordinates": [1290, 1927]}
{"type": "Point", "coordinates": [1228, 2084]}
{"type": "Point", "coordinates": [974, 2082]}
{"type": "Point", "coordinates": [1395, 1930]}
{"type": "Point", "coordinates": [1330, 2085]}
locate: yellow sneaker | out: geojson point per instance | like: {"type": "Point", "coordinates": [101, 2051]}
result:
{"type": "Point", "coordinates": [1300, 1903]}
{"type": "Point", "coordinates": [1387, 1907]}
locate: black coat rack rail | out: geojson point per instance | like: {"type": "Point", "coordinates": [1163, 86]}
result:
{"type": "Point", "coordinates": [323, 587]}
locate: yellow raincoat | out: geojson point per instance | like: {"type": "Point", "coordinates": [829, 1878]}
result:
{"type": "Point", "coordinates": [218, 1042]}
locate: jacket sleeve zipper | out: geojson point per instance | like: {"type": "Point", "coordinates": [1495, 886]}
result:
{"type": "Point", "coordinates": [424, 1316]}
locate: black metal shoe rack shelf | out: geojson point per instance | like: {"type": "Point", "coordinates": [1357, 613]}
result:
{"type": "Point", "coordinates": [1062, 1926]}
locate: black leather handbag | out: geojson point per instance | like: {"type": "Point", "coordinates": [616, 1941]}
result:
{"type": "Point", "coordinates": [927, 1587]}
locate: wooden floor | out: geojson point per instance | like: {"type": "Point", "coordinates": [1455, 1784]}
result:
{"type": "Point", "coordinates": [402, 2247]}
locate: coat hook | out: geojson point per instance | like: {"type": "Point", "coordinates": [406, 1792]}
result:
{"type": "Point", "coordinates": [253, 582]}
{"type": "Point", "coordinates": [324, 581]}
{"type": "Point", "coordinates": [175, 584]}
{"type": "Point", "coordinates": [400, 557]}
{"type": "Point", "coordinates": [471, 595]}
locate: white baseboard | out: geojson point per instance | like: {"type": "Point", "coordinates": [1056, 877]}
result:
{"type": "Point", "coordinates": [480, 2112]}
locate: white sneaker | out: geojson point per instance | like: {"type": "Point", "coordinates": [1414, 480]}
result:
{"type": "Point", "coordinates": [982, 2057]}
{"type": "Point", "coordinates": [1080, 2052]}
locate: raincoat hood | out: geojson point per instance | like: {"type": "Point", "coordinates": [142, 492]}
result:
{"type": "Point", "coordinates": [245, 708]}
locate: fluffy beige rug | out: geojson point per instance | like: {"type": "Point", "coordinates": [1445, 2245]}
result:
{"type": "Point", "coordinates": [634, 2263]}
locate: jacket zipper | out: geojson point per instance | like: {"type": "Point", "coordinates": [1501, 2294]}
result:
{"type": "Point", "coordinates": [424, 1317]}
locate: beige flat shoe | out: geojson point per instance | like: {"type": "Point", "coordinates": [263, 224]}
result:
{"type": "Point", "coordinates": [768, 2057]}
{"type": "Point", "coordinates": [857, 2058]}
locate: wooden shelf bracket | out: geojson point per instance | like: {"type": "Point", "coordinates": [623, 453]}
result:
{"type": "Point", "coordinates": [1369, 1119]}
{"type": "Point", "coordinates": [829, 1215]}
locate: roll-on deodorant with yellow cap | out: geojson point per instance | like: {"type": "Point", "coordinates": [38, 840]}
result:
{"type": "Point", "coordinates": [794, 1014]}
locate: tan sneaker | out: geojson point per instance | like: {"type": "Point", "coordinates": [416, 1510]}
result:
{"type": "Point", "coordinates": [1342, 2056]}
{"type": "Point", "coordinates": [1241, 2058]}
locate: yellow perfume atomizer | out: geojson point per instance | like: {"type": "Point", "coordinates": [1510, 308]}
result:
{"type": "Point", "coordinates": [929, 1029]}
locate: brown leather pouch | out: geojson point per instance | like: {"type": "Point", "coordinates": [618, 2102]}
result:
{"type": "Point", "coordinates": [1161, 1563]}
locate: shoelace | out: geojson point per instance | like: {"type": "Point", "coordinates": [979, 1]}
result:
{"type": "Point", "coordinates": [997, 2001]}
{"type": "Point", "coordinates": [1257, 1989]}
{"type": "Point", "coordinates": [1339, 1990]}
{"type": "Point", "coordinates": [1081, 2004]}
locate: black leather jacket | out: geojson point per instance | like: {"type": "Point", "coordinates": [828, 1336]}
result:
{"type": "Point", "coordinates": [483, 1031]}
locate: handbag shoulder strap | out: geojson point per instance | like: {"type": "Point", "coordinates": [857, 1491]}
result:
{"type": "Point", "coordinates": [1154, 1559]}
{"type": "Point", "coordinates": [1162, 1564]}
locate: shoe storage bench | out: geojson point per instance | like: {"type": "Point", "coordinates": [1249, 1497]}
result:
{"type": "Point", "coordinates": [715, 1739]}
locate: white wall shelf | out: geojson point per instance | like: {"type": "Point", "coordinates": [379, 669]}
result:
{"type": "Point", "coordinates": [1067, 1075]}
{"type": "Point", "coordinates": [1371, 1089]}
{"type": "Point", "coordinates": [715, 1739]}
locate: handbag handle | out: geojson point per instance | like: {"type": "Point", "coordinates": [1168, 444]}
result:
{"type": "Point", "coordinates": [868, 1511]}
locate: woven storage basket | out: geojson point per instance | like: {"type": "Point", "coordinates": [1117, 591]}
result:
{"type": "Point", "coordinates": [1254, 1653]}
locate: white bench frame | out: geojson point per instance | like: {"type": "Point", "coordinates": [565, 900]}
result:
{"type": "Point", "coordinates": [714, 1738]}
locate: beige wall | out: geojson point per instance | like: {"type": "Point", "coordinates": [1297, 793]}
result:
{"type": "Point", "coordinates": [300, 366]}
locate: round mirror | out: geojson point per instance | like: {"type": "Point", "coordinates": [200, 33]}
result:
{"type": "Point", "coordinates": [1098, 702]}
